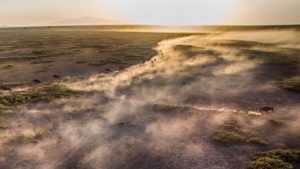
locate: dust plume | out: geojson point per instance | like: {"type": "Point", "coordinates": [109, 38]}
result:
{"type": "Point", "coordinates": [158, 114]}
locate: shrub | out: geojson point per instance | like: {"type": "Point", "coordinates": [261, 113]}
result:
{"type": "Point", "coordinates": [287, 155]}
{"type": "Point", "coordinates": [269, 163]}
{"type": "Point", "coordinates": [275, 159]}
{"type": "Point", "coordinates": [233, 133]}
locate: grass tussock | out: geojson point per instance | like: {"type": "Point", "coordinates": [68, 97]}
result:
{"type": "Point", "coordinates": [233, 133]}
{"type": "Point", "coordinates": [257, 141]}
{"type": "Point", "coordinates": [275, 159]}
{"type": "Point", "coordinates": [112, 61]}
{"type": "Point", "coordinates": [11, 84]}
{"type": "Point", "coordinates": [40, 94]}
{"type": "Point", "coordinates": [167, 107]}
{"type": "Point", "coordinates": [228, 137]}
{"type": "Point", "coordinates": [81, 62]}
{"type": "Point", "coordinates": [42, 62]}
{"type": "Point", "coordinates": [276, 122]}
{"type": "Point", "coordinates": [7, 67]}
{"type": "Point", "coordinates": [3, 127]}
{"type": "Point", "coordinates": [45, 69]}
{"type": "Point", "coordinates": [277, 58]}
{"type": "Point", "coordinates": [27, 138]}
{"type": "Point", "coordinates": [292, 84]}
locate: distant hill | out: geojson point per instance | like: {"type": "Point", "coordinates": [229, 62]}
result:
{"type": "Point", "coordinates": [86, 20]}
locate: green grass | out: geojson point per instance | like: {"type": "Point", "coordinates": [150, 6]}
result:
{"type": "Point", "coordinates": [232, 133]}
{"type": "Point", "coordinates": [78, 47]}
{"type": "Point", "coordinates": [40, 94]}
{"type": "Point", "coordinates": [229, 137]}
{"type": "Point", "coordinates": [35, 55]}
{"type": "Point", "coordinates": [81, 62]}
{"type": "Point", "coordinates": [18, 58]}
{"type": "Point", "coordinates": [10, 84]}
{"type": "Point", "coordinates": [267, 57]}
{"type": "Point", "coordinates": [275, 159]}
{"type": "Point", "coordinates": [32, 43]}
{"type": "Point", "coordinates": [27, 138]}
{"type": "Point", "coordinates": [116, 61]}
{"type": "Point", "coordinates": [276, 122]}
{"type": "Point", "coordinates": [257, 141]}
{"type": "Point", "coordinates": [125, 124]}
{"type": "Point", "coordinates": [45, 69]}
{"type": "Point", "coordinates": [3, 127]}
{"type": "Point", "coordinates": [166, 107]}
{"type": "Point", "coordinates": [42, 62]}
{"type": "Point", "coordinates": [232, 125]}
{"type": "Point", "coordinates": [269, 163]}
{"type": "Point", "coordinates": [240, 44]}
{"type": "Point", "coordinates": [284, 60]}
{"type": "Point", "coordinates": [292, 84]}
{"type": "Point", "coordinates": [7, 67]}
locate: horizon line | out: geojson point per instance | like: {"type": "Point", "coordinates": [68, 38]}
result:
{"type": "Point", "coordinates": [153, 25]}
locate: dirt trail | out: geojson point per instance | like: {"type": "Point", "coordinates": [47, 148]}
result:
{"type": "Point", "coordinates": [159, 114]}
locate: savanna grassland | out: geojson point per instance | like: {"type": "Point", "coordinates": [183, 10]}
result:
{"type": "Point", "coordinates": [40, 53]}
{"type": "Point", "coordinates": [128, 97]}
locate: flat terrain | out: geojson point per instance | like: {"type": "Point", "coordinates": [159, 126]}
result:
{"type": "Point", "coordinates": [128, 100]}
{"type": "Point", "coordinates": [39, 53]}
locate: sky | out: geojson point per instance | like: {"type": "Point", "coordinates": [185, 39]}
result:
{"type": "Point", "coordinates": [162, 12]}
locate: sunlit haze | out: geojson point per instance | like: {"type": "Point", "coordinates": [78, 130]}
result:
{"type": "Point", "coordinates": [176, 12]}
{"type": "Point", "coordinates": [149, 84]}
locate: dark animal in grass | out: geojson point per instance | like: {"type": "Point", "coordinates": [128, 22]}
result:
{"type": "Point", "coordinates": [56, 76]}
{"type": "Point", "coordinates": [37, 81]}
{"type": "Point", "coordinates": [107, 70]}
{"type": "Point", "coordinates": [266, 109]}
{"type": "Point", "coordinates": [5, 88]}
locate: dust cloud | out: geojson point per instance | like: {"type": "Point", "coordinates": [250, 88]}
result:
{"type": "Point", "coordinates": [159, 114]}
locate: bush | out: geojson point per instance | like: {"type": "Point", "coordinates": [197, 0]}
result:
{"type": "Point", "coordinates": [275, 159]}
{"type": "Point", "coordinates": [233, 133]}
{"type": "Point", "coordinates": [269, 163]}
{"type": "Point", "coordinates": [288, 155]}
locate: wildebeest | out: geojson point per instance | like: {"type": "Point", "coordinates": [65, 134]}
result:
{"type": "Point", "coordinates": [266, 109]}
{"type": "Point", "coordinates": [37, 81]}
{"type": "Point", "coordinates": [56, 76]}
{"type": "Point", "coordinates": [5, 88]}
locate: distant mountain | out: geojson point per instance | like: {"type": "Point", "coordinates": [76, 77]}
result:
{"type": "Point", "coordinates": [86, 20]}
